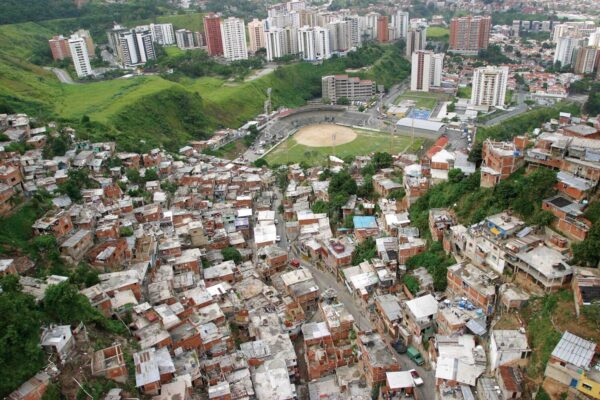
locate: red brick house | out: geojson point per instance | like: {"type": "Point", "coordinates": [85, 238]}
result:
{"type": "Point", "coordinates": [569, 219]}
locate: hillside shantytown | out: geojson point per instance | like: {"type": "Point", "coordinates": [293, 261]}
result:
{"type": "Point", "coordinates": [341, 200]}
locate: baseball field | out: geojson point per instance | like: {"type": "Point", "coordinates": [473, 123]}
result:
{"type": "Point", "coordinates": [313, 144]}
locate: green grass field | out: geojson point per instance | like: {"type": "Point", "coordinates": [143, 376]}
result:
{"type": "Point", "coordinates": [464, 92]}
{"type": "Point", "coordinates": [101, 100]}
{"type": "Point", "coordinates": [438, 33]}
{"type": "Point", "coordinates": [366, 142]}
{"type": "Point", "coordinates": [173, 51]}
{"type": "Point", "coordinates": [194, 21]}
{"type": "Point", "coordinates": [423, 99]}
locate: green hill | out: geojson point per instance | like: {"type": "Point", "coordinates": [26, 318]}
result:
{"type": "Point", "coordinates": [154, 109]}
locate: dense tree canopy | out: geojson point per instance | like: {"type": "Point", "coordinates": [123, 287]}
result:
{"type": "Point", "coordinates": [231, 253]}
{"type": "Point", "coordinates": [364, 251]}
{"type": "Point", "coordinates": [20, 354]}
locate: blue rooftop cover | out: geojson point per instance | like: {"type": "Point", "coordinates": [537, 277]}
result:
{"type": "Point", "coordinates": [364, 222]}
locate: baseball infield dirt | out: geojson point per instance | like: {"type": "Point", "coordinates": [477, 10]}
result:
{"type": "Point", "coordinates": [323, 135]}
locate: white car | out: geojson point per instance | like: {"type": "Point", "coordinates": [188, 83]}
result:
{"type": "Point", "coordinates": [278, 238]}
{"type": "Point", "coordinates": [416, 378]}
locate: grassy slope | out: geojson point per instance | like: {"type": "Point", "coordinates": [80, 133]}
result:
{"type": "Point", "coordinates": [193, 22]}
{"type": "Point", "coordinates": [22, 84]}
{"type": "Point", "coordinates": [25, 87]}
{"type": "Point", "coordinates": [101, 100]}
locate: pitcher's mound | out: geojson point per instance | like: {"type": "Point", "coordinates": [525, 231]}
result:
{"type": "Point", "coordinates": [322, 135]}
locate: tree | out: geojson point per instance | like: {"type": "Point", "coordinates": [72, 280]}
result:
{"type": "Point", "coordinates": [21, 356]}
{"type": "Point", "coordinates": [382, 160]}
{"type": "Point", "coordinates": [411, 283]}
{"type": "Point", "coordinates": [343, 101]}
{"type": "Point", "coordinates": [320, 207]}
{"type": "Point", "coordinates": [261, 162]}
{"type": "Point", "coordinates": [364, 251]}
{"type": "Point", "coordinates": [150, 175]}
{"type": "Point", "coordinates": [47, 246]}
{"type": "Point", "coordinates": [475, 155]}
{"type": "Point", "coordinates": [542, 395]}
{"type": "Point", "coordinates": [56, 146]}
{"type": "Point", "coordinates": [592, 105]}
{"type": "Point", "coordinates": [77, 180]}
{"type": "Point", "coordinates": [455, 175]}
{"type": "Point", "coordinates": [52, 393]}
{"type": "Point", "coordinates": [84, 275]}
{"type": "Point", "coordinates": [64, 304]}
{"type": "Point", "coordinates": [440, 280]}
{"type": "Point", "coordinates": [587, 252]}
{"type": "Point", "coordinates": [542, 218]}
{"type": "Point", "coordinates": [349, 221]}
{"type": "Point", "coordinates": [231, 253]}
{"type": "Point", "coordinates": [397, 194]}
{"type": "Point", "coordinates": [366, 190]}
{"type": "Point", "coordinates": [133, 175]}
{"type": "Point", "coordinates": [592, 313]}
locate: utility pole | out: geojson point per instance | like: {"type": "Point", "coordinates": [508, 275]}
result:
{"type": "Point", "coordinates": [267, 104]}
{"type": "Point", "coordinates": [412, 139]}
{"type": "Point", "coordinates": [333, 142]}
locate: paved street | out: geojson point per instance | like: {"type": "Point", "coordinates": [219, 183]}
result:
{"type": "Point", "coordinates": [325, 280]}
{"type": "Point", "coordinates": [520, 108]}
{"type": "Point", "coordinates": [62, 75]}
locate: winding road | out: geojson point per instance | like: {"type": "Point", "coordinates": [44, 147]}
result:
{"type": "Point", "coordinates": [62, 75]}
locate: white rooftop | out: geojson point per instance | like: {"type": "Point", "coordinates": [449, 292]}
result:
{"type": "Point", "coordinates": [423, 307]}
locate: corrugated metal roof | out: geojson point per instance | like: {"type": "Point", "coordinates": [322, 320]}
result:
{"type": "Point", "coordinates": [574, 350]}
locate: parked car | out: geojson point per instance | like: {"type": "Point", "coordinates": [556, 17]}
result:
{"type": "Point", "coordinates": [414, 355]}
{"type": "Point", "coordinates": [416, 378]}
{"type": "Point", "coordinates": [399, 346]}
{"type": "Point", "coordinates": [278, 238]}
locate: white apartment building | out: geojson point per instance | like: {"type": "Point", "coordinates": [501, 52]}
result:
{"type": "Point", "coordinates": [400, 22]}
{"type": "Point", "coordinates": [136, 47]}
{"type": "Point", "coordinates": [256, 35]}
{"type": "Point", "coordinates": [565, 50]}
{"type": "Point", "coordinates": [163, 34]}
{"type": "Point", "coordinates": [339, 36]}
{"type": "Point", "coordinates": [416, 40]}
{"type": "Point", "coordinates": [185, 39]}
{"type": "Point", "coordinates": [426, 70]}
{"type": "Point", "coordinates": [369, 25]}
{"type": "Point", "coordinates": [354, 30]}
{"type": "Point", "coordinates": [80, 56]}
{"type": "Point", "coordinates": [233, 34]}
{"type": "Point", "coordinates": [594, 39]}
{"type": "Point", "coordinates": [295, 5]}
{"type": "Point", "coordinates": [281, 42]}
{"type": "Point", "coordinates": [489, 86]}
{"type": "Point", "coordinates": [575, 29]}
{"type": "Point", "coordinates": [313, 43]}
{"type": "Point", "coordinates": [274, 39]}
